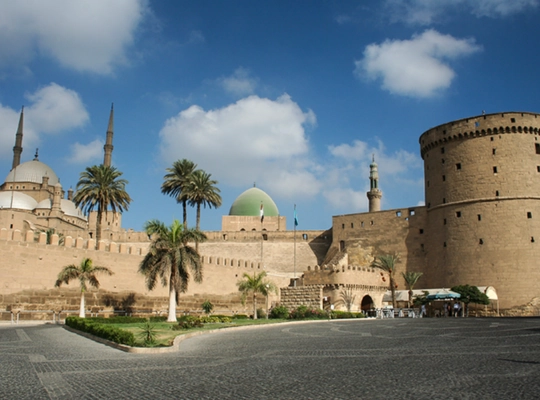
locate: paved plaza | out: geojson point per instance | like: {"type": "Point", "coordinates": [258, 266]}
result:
{"type": "Point", "coordinates": [447, 358]}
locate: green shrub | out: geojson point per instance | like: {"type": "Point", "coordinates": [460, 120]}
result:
{"type": "Point", "coordinates": [118, 320]}
{"type": "Point", "coordinates": [148, 334]}
{"type": "Point", "coordinates": [279, 312]}
{"type": "Point", "coordinates": [240, 316]}
{"type": "Point", "coordinates": [304, 312]}
{"type": "Point", "coordinates": [207, 307]}
{"type": "Point", "coordinates": [158, 318]}
{"type": "Point", "coordinates": [104, 331]}
{"type": "Point", "coordinates": [261, 314]}
{"type": "Point", "coordinates": [188, 322]}
{"type": "Point", "coordinates": [225, 320]}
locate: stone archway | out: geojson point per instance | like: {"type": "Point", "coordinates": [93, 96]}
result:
{"type": "Point", "coordinates": [367, 303]}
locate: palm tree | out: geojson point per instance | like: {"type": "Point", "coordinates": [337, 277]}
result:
{"type": "Point", "coordinates": [387, 263]}
{"type": "Point", "coordinates": [255, 284]}
{"type": "Point", "coordinates": [347, 298]}
{"type": "Point", "coordinates": [169, 259]}
{"type": "Point", "coordinates": [85, 272]}
{"type": "Point", "coordinates": [99, 187]}
{"type": "Point", "coordinates": [410, 280]}
{"type": "Point", "coordinates": [202, 190]}
{"type": "Point", "coordinates": [176, 181]}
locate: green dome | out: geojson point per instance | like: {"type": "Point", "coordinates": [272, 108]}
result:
{"type": "Point", "coordinates": [248, 204]}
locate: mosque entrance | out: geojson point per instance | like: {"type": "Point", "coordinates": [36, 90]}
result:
{"type": "Point", "coordinates": [367, 303]}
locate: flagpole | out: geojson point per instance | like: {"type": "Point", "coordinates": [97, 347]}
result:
{"type": "Point", "coordinates": [262, 235]}
{"type": "Point", "coordinates": [294, 223]}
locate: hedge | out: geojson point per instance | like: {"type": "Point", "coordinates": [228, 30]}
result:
{"type": "Point", "coordinates": [104, 331]}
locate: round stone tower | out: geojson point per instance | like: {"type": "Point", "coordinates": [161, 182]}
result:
{"type": "Point", "coordinates": [482, 186]}
{"type": "Point", "coordinates": [374, 195]}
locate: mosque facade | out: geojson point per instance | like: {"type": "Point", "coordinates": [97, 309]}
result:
{"type": "Point", "coordinates": [480, 226]}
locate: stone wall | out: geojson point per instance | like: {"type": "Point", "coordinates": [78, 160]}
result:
{"type": "Point", "coordinates": [293, 297]}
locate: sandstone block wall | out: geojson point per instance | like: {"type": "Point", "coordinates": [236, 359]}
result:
{"type": "Point", "coordinates": [293, 297]}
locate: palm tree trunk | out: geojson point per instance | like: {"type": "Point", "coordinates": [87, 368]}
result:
{"type": "Point", "coordinates": [198, 225]}
{"type": "Point", "coordinates": [98, 225]}
{"type": "Point", "coordinates": [184, 213]}
{"type": "Point", "coordinates": [82, 307]}
{"type": "Point", "coordinates": [392, 289]}
{"type": "Point", "coordinates": [172, 304]}
{"type": "Point", "coordinates": [254, 305]}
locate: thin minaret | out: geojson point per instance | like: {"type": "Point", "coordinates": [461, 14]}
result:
{"type": "Point", "coordinates": [17, 149]}
{"type": "Point", "coordinates": [108, 148]}
{"type": "Point", "coordinates": [374, 195]}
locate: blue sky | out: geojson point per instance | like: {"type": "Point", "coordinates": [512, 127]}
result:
{"type": "Point", "coordinates": [295, 96]}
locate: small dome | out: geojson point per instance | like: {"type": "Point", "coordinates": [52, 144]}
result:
{"type": "Point", "coordinates": [21, 201]}
{"type": "Point", "coordinates": [67, 206]}
{"type": "Point", "coordinates": [249, 204]}
{"type": "Point", "coordinates": [32, 171]}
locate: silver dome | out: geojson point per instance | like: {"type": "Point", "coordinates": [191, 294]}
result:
{"type": "Point", "coordinates": [67, 206]}
{"type": "Point", "coordinates": [32, 171]}
{"type": "Point", "coordinates": [21, 201]}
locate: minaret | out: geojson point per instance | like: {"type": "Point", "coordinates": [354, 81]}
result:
{"type": "Point", "coordinates": [108, 148]}
{"type": "Point", "coordinates": [17, 149]}
{"type": "Point", "coordinates": [374, 195]}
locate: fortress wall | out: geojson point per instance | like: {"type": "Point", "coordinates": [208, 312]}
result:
{"type": "Point", "coordinates": [293, 297]}
{"type": "Point", "coordinates": [28, 267]}
{"type": "Point", "coordinates": [366, 235]}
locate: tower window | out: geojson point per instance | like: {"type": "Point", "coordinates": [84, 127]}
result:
{"type": "Point", "coordinates": [442, 161]}
{"type": "Point", "coordinates": [529, 214]}
{"type": "Point", "coordinates": [398, 213]}
{"type": "Point", "coordinates": [421, 231]}
{"type": "Point", "coordinates": [458, 214]}
{"type": "Point", "coordinates": [371, 223]}
{"type": "Point", "coordinates": [442, 150]}
{"type": "Point", "coordinates": [491, 138]}
{"type": "Point", "coordinates": [479, 217]}
{"type": "Point", "coordinates": [494, 151]}
{"type": "Point", "coordinates": [538, 168]}
{"type": "Point", "coordinates": [537, 148]}
{"type": "Point", "coordinates": [458, 166]}
{"type": "Point", "coordinates": [352, 225]}
{"type": "Point", "coordinates": [342, 226]}
{"type": "Point", "coordinates": [494, 170]}
{"type": "Point", "coordinates": [444, 200]}
{"type": "Point", "coordinates": [362, 224]}
{"type": "Point", "coordinates": [481, 241]}
{"type": "Point", "coordinates": [512, 120]}
{"type": "Point", "coordinates": [444, 244]}
{"type": "Point", "coordinates": [532, 239]}
{"type": "Point", "coordinates": [538, 171]}
{"type": "Point", "coordinates": [444, 221]}
{"type": "Point", "coordinates": [496, 193]}
{"type": "Point", "coordinates": [444, 178]}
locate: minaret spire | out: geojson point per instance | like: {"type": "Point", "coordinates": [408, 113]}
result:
{"type": "Point", "coordinates": [374, 195]}
{"type": "Point", "coordinates": [108, 148]}
{"type": "Point", "coordinates": [17, 149]}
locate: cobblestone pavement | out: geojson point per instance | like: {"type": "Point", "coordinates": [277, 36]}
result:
{"type": "Point", "coordinates": [448, 358]}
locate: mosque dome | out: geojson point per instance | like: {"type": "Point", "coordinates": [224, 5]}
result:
{"type": "Point", "coordinates": [18, 200]}
{"type": "Point", "coordinates": [32, 171]}
{"type": "Point", "coordinates": [249, 204]}
{"type": "Point", "coordinates": [67, 206]}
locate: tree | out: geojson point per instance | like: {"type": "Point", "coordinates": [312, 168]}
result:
{"type": "Point", "coordinates": [85, 272]}
{"type": "Point", "coordinates": [410, 280]}
{"type": "Point", "coordinates": [470, 294]}
{"type": "Point", "coordinates": [202, 191]}
{"type": "Point", "coordinates": [176, 182]}
{"type": "Point", "coordinates": [387, 263]}
{"type": "Point", "coordinates": [100, 187]}
{"type": "Point", "coordinates": [170, 258]}
{"type": "Point", "coordinates": [347, 297]}
{"type": "Point", "coordinates": [255, 284]}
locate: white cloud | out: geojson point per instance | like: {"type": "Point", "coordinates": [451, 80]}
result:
{"type": "Point", "coordinates": [53, 109]}
{"type": "Point", "coordinates": [240, 83]}
{"type": "Point", "coordinates": [84, 35]}
{"type": "Point", "coordinates": [254, 139]}
{"type": "Point", "coordinates": [426, 12]}
{"type": "Point", "coordinates": [84, 153]}
{"type": "Point", "coordinates": [417, 67]}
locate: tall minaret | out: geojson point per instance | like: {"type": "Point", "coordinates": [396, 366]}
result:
{"type": "Point", "coordinates": [17, 149]}
{"type": "Point", "coordinates": [108, 148]}
{"type": "Point", "coordinates": [374, 195]}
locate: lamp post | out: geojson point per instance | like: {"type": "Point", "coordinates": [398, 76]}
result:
{"type": "Point", "coordinates": [267, 289]}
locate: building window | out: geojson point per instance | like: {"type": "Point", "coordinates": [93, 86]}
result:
{"type": "Point", "coordinates": [444, 221]}
{"type": "Point", "coordinates": [398, 213]}
{"type": "Point", "coordinates": [428, 181]}
{"type": "Point", "coordinates": [442, 161]}
{"type": "Point", "coordinates": [442, 150]}
{"type": "Point", "coordinates": [494, 151]}
{"type": "Point", "coordinates": [529, 214]}
{"type": "Point", "coordinates": [494, 170]}
{"type": "Point", "coordinates": [479, 217]}
{"type": "Point", "coordinates": [444, 244]}
{"type": "Point", "coordinates": [342, 226]}
{"type": "Point", "coordinates": [352, 225]}
{"type": "Point", "coordinates": [481, 241]}
{"type": "Point", "coordinates": [362, 224]}
{"type": "Point", "coordinates": [513, 120]}
{"type": "Point", "coordinates": [421, 231]}
{"type": "Point", "coordinates": [444, 200]}
{"type": "Point", "coordinates": [537, 147]}
{"type": "Point", "coordinates": [304, 236]}
{"type": "Point", "coordinates": [371, 223]}
{"type": "Point", "coordinates": [497, 193]}
{"type": "Point", "coordinates": [538, 168]}
{"type": "Point", "coordinates": [532, 239]}
{"type": "Point", "coordinates": [411, 213]}
{"type": "Point", "coordinates": [444, 178]}
{"type": "Point", "coordinates": [458, 166]}
{"type": "Point", "coordinates": [458, 214]}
